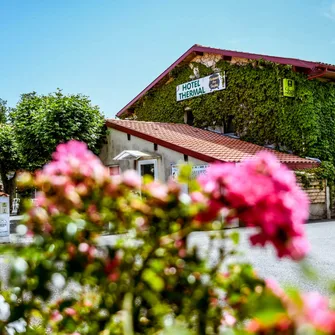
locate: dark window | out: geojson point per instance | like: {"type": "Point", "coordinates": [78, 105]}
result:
{"type": "Point", "coordinates": [227, 58]}
{"type": "Point", "coordinates": [155, 146]}
{"type": "Point", "coordinates": [148, 169]}
{"type": "Point", "coordinates": [185, 158]}
{"type": "Point", "coordinates": [129, 137]}
{"type": "Point", "coordinates": [189, 117]}
{"type": "Point", "coordinates": [229, 125]}
{"type": "Point", "coordinates": [114, 170]}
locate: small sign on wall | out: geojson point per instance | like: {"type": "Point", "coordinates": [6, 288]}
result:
{"type": "Point", "coordinates": [288, 88]}
{"type": "Point", "coordinates": [4, 208]}
{"type": "Point", "coordinates": [4, 216]}
{"type": "Point", "coordinates": [197, 170]}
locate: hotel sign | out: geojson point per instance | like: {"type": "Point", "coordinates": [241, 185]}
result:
{"type": "Point", "coordinates": [214, 82]}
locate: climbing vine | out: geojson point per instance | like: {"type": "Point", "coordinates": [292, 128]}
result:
{"type": "Point", "coordinates": [304, 124]}
{"type": "Point", "coordinates": [323, 172]}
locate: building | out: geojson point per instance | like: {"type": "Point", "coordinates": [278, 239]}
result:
{"type": "Point", "coordinates": [275, 102]}
{"type": "Point", "coordinates": [285, 103]}
{"type": "Point", "coordinates": [157, 149]}
{"type": "Point", "coordinates": [209, 57]}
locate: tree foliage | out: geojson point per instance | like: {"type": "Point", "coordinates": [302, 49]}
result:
{"type": "Point", "coordinates": [9, 153]}
{"type": "Point", "coordinates": [3, 111]}
{"type": "Point", "coordinates": [41, 122]}
{"type": "Point", "coordinates": [9, 157]}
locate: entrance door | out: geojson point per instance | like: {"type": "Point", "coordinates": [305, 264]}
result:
{"type": "Point", "coordinates": [148, 167]}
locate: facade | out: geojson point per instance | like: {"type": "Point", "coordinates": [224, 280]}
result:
{"type": "Point", "coordinates": [210, 57]}
{"type": "Point", "coordinates": [157, 149]}
{"type": "Point", "coordinates": [275, 102]}
{"type": "Point", "coordinates": [287, 104]}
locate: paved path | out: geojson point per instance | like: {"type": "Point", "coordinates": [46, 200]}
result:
{"type": "Point", "coordinates": [322, 256]}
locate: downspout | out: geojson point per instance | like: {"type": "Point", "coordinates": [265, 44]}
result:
{"type": "Point", "coordinates": [328, 208]}
{"type": "Point", "coordinates": [318, 75]}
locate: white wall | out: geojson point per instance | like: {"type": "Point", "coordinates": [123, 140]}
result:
{"type": "Point", "coordinates": [117, 142]}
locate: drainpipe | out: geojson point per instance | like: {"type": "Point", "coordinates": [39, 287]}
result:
{"type": "Point", "coordinates": [328, 208]}
{"type": "Point", "coordinates": [318, 75]}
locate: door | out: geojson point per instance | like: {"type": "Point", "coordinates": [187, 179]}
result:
{"type": "Point", "coordinates": [148, 167]}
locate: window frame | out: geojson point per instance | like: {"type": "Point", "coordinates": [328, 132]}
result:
{"type": "Point", "coordinates": [111, 167]}
{"type": "Point", "coordinates": [147, 162]}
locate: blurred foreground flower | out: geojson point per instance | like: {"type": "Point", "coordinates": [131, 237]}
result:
{"type": "Point", "coordinates": [302, 313]}
{"type": "Point", "coordinates": [261, 193]}
{"type": "Point", "coordinates": [147, 279]}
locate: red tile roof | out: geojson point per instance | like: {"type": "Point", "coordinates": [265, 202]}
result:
{"type": "Point", "coordinates": [314, 69]}
{"type": "Point", "coordinates": [202, 144]}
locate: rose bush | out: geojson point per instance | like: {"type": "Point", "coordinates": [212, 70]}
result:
{"type": "Point", "coordinates": [145, 279]}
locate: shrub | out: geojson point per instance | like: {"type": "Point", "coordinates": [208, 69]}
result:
{"type": "Point", "coordinates": [146, 280]}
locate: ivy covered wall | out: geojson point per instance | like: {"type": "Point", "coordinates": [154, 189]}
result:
{"type": "Point", "coordinates": [304, 124]}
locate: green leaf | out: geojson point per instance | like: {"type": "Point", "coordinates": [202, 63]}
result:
{"type": "Point", "coordinates": [153, 280]}
{"type": "Point", "coordinates": [177, 330]}
{"type": "Point", "coordinates": [235, 236]}
{"type": "Point", "coordinates": [185, 172]}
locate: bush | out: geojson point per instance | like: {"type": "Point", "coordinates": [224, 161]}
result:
{"type": "Point", "coordinates": [147, 280]}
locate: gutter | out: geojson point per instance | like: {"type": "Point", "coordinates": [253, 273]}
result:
{"type": "Point", "coordinates": [318, 75]}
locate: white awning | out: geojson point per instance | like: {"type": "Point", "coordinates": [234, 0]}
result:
{"type": "Point", "coordinates": [131, 155]}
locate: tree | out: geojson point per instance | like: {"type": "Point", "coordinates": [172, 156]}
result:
{"type": "Point", "coordinates": [9, 157]}
{"type": "Point", "coordinates": [41, 122]}
{"type": "Point", "coordinates": [3, 111]}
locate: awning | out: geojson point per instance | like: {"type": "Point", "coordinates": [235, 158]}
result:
{"type": "Point", "coordinates": [133, 155]}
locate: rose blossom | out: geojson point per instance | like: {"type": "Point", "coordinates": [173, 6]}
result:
{"type": "Point", "coordinates": [70, 178]}
{"type": "Point", "coordinates": [309, 309]}
{"type": "Point", "coordinates": [317, 312]}
{"type": "Point", "coordinates": [263, 194]}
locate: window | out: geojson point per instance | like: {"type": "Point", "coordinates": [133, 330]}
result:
{"type": "Point", "coordinates": [114, 170]}
{"type": "Point", "coordinates": [188, 116]}
{"type": "Point", "coordinates": [229, 125]}
{"type": "Point", "coordinates": [148, 167]}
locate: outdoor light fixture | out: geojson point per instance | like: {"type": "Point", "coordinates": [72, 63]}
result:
{"type": "Point", "coordinates": [10, 174]}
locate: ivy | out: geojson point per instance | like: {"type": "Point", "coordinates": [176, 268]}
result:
{"type": "Point", "coordinates": [303, 125]}
{"type": "Point", "coordinates": [324, 172]}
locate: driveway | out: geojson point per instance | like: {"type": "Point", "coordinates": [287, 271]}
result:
{"type": "Point", "coordinates": [321, 258]}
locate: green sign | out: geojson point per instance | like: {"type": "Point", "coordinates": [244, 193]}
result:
{"type": "Point", "coordinates": [288, 88]}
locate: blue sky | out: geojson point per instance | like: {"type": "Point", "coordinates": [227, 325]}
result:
{"type": "Point", "coordinates": [111, 49]}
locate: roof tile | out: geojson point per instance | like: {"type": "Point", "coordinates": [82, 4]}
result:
{"type": "Point", "coordinates": [212, 146]}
